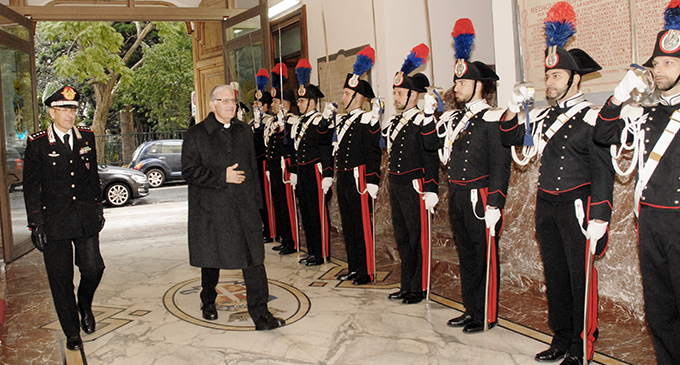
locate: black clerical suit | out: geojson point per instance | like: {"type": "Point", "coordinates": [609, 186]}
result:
{"type": "Point", "coordinates": [357, 163]}
{"type": "Point", "coordinates": [658, 221]}
{"type": "Point", "coordinates": [572, 167]}
{"type": "Point", "coordinates": [314, 162]}
{"type": "Point", "coordinates": [477, 163]}
{"type": "Point", "coordinates": [410, 163]}
{"type": "Point", "coordinates": [62, 192]}
{"type": "Point", "coordinates": [224, 222]}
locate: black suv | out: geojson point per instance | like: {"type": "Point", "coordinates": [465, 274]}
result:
{"type": "Point", "coordinates": [160, 160]}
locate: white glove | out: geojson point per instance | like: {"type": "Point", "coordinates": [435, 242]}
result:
{"type": "Point", "coordinates": [328, 110]}
{"type": "Point", "coordinates": [293, 180]}
{"type": "Point", "coordinates": [430, 104]}
{"type": "Point", "coordinates": [517, 99]}
{"type": "Point", "coordinates": [376, 110]}
{"type": "Point", "coordinates": [326, 184]}
{"type": "Point", "coordinates": [281, 116]}
{"type": "Point", "coordinates": [372, 190]}
{"type": "Point", "coordinates": [239, 114]}
{"type": "Point", "coordinates": [629, 83]}
{"type": "Point", "coordinates": [491, 217]}
{"type": "Point", "coordinates": [257, 115]}
{"type": "Point", "coordinates": [595, 232]}
{"type": "Point", "coordinates": [431, 199]}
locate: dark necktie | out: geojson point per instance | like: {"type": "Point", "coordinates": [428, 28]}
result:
{"type": "Point", "coordinates": [66, 141]}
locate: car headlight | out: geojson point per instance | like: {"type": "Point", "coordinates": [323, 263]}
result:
{"type": "Point", "coordinates": [139, 179]}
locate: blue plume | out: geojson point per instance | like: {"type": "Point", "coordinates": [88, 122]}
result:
{"type": "Point", "coordinates": [411, 63]}
{"type": "Point", "coordinates": [558, 33]}
{"type": "Point", "coordinates": [362, 64]}
{"type": "Point", "coordinates": [672, 18]}
{"type": "Point", "coordinates": [262, 82]}
{"type": "Point", "coordinates": [276, 81]}
{"type": "Point", "coordinates": [463, 45]}
{"type": "Point", "coordinates": [303, 75]}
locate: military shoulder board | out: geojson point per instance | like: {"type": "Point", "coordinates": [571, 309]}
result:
{"type": "Point", "coordinates": [37, 135]}
{"type": "Point", "coordinates": [493, 115]}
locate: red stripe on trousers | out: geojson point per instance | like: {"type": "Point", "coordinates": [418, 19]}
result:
{"type": "Point", "coordinates": [366, 220]}
{"type": "Point", "coordinates": [268, 201]}
{"type": "Point", "coordinates": [322, 212]}
{"type": "Point", "coordinates": [424, 238]}
{"type": "Point", "coordinates": [290, 197]}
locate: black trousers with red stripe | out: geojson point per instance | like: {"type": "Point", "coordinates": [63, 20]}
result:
{"type": "Point", "coordinates": [280, 200]}
{"type": "Point", "coordinates": [354, 221]}
{"type": "Point", "coordinates": [264, 213]}
{"type": "Point", "coordinates": [470, 236]}
{"type": "Point", "coordinates": [658, 232]}
{"type": "Point", "coordinates": [407, 220]}
{"type": "Point", "coordinates": [563, 250]}
{"type": "Point", "coordinates": [308, 189]}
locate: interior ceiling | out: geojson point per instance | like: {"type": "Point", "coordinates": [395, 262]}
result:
{"type": "Point", "coordinates": [124, 10]}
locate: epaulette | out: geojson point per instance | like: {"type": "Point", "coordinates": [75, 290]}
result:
{"type": "Point", "coordinates": [419, 119]}
{"type": "Point", "coordinates": [84, 128]}
{"type": "Point", "coordinates": [366, 118]}
{"type": "Point", "coordinates": [534, 114]}
{"type": "Point", "coordinates": [37, 135]}
{"type": "Point", "coordinates": [292, 119]}
{"type": "Point", "coordinates": [316, 119]}
{"type": "Point", "coordinates": [493, 115]}
{"type": "Point", "coordinates": [591, 116]}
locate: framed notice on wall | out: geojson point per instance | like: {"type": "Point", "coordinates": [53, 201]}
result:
{"type": "Point", "coordinates": [615, 33]}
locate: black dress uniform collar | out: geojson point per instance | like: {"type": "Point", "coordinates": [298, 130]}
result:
{"type": "Point", "coordinates": [672, 100]}
{"type": "Point", "coordinates": [411, 112]}
{"type": "Point", "coordinates": [476, 106]}
{"type": "Point", "coordinates": [571, 101]}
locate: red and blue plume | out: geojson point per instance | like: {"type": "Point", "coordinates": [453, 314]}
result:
{"type": "Point", "coordinates": [672, 15]}
{"type": "Point", "coordinates": [463, 36]}
{"type": "Point", "coordinates": [262, 78]}
{"type": "Point", "coordinates": [280, 69]}
{"type": "Point", "coordinates": [303, 70]}
{"type": "Point", "coordinates": [560, 24]}
{"type": "Point", "coordinates": [365, 60]}
{"type": "Point", "coordinates": [415, 59]}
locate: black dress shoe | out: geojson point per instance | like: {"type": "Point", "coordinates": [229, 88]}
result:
{"type": "Point", "coordinates": [74, 343]}
{"type": "Point", "coordinates": [460, 321]}
{"type": "Point", "coordinates": [397, 295]}
{"type": "Point", "coordinates": [268, 322]}
{"type": "Point", "coordinates": [476, 326]}
{"type": "Point", "coordinates": [314, 261]}
{"type": "Point", "coordinates": [304, 261]}
{"type": "Point", "coordinates": [572, 360]}
{"type": "Point", "coordinates": [267, 240]}
{"type": "Point", "coordinates": [278, 247]}
{"type": "Point", "coordinates": [412, 298]}
{"type": "Point", "coordinates": [550, 355]}
{"type": "Point", "coordinates": [349, 276]}
{"type": "Point", "coordinates": [209, 311]}
{"type": "Point", "coordinates": [87, 321]}
{"type": "Point", "coordinates": [362, 280]}
{"type": "Point", "coordinates": [287, 251]}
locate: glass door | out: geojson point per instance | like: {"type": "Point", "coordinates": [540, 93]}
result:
{"type": "Point", "coordinates": [247, 49]}
{"type": "Point", "coordinates": [18, 120]}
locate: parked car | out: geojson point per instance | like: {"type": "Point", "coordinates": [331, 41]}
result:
{"type": "Point", "coordinates": [159, 160]}
{"type": "Point", "coordinates": [15, 167]}
{"type": "Point", "coordinates": [121, 184]}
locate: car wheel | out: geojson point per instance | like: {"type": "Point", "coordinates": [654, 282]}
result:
{"type": "Point", "coordinates": [118, 194]}
{"type": "Point", "coordinates": [156, 177]}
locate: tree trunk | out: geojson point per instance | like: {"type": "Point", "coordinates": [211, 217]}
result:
{"type": "Point", "coordinates": [104, 99]}
{"type": "Point", "coordinates": [127, 128]}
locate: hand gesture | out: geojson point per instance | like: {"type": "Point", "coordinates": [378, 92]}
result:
{"type": "Point", "coordinates": [235, 176]}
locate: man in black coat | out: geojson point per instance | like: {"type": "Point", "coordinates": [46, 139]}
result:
{"type": "Point", "coordinates": [218, 163]}
{"type": "Point", "coordinates": [62, 195]}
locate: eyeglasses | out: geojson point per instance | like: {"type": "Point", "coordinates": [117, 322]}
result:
{"type": "Point", "coordinates": [66, 110]}
{"type": "Point", "coordinates": [226, 101]}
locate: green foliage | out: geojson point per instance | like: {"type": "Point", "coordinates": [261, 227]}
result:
{"type": "Point", "coordinates": [97, 46]}
{"type": "Point", "coordinates": [162, 87]}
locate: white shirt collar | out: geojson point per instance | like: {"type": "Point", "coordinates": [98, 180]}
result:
{"type": "Point", "coordinates": [61, 135]}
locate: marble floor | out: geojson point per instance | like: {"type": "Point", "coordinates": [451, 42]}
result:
{"type": "Point", "coordinates": [147, 311]}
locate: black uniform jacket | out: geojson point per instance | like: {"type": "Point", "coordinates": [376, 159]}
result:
{"type": "Point", "coordinates": [278, 142]}
{"type": "Point", "coordinates": [224, 220]}
{"type": "Point", "coordinates": [477, 159]}
{"type": "Point", "coordinates": [572, 163]}
{"type": "Point", "coordinates": [313, 141]}
{"type": "Point", "coordinates": [258, 134]}
{"type": "Point", "coordinates": [663, 188]}
{"type": "Point", "coordinates": [359, 144]}
{"type": "Point", "coordinates": [409, 159]}
{"type": "Point", "coordinates": [61, 187]}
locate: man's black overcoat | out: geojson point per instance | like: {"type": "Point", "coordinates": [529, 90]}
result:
{"type": "Point", "coordinates": [225, 229]}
